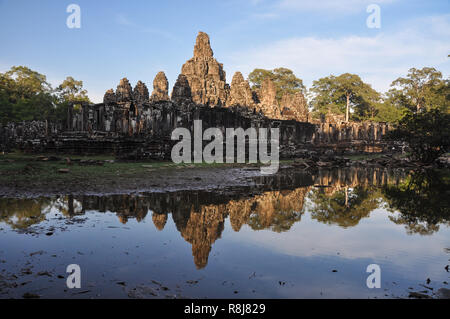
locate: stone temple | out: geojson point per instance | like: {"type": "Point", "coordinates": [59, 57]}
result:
{"type": "Point", "coordinates": [132, 122]}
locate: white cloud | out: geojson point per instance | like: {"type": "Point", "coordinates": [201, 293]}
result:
{"type": "Point", "coordinates": [377, 59]}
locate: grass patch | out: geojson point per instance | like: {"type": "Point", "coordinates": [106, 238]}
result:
{"type": "Point", "coordinates": [22, 167]}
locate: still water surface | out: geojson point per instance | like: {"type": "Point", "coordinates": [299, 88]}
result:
{"type": "Point", "coordinates": [297, 236]}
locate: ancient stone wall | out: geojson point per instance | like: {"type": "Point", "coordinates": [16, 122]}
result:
{"type": "Point", "coordinates": [130, 120]}
{"type": "Point", "coordinates": [352, 136]}
{"type": "Point", "coordinates": [28, 135]}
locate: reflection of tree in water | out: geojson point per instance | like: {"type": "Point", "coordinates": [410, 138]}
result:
{"type": "Point", "coordinates": [199, 216]}
{"type": "Point", "coordinates": [344, 207]}
{"type": "Point", "coordinates": [422, 200]}
{"type": "Point", "coordinates": [21, 214]}
{"type": "Point", "coordinates": [68, 206]}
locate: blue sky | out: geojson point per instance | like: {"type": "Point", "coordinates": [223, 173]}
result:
{"type": "Point", "coordinates": [136, 39]}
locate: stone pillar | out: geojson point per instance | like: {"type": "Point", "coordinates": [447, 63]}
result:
{"type": "Point", "coordinates": [70, 117]}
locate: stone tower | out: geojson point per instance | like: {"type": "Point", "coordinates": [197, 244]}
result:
{"type": "Point", "coordinates": [240, 92]}
{"type": "Point", "coordinates": [160, 88]}
{"type": "Point", "coordinates": [205, 75]}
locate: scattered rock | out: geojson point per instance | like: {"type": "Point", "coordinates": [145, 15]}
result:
{"type": "Point", "coordinates": [29, 295]}
{"type": "Point", "coordinates": [418, 295]}
{"type": "Point", "coordinates": [443, 293]}
{"type": "Point", "coordinates": [44, 273]}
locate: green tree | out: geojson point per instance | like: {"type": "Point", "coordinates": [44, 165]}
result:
{"type": "Point", "coordinates": [386, 112]}
{"type": "Point", "coordinates": [422, 89]}
{"type": "Point", "coordinates": [6, 105]}
{"type": "Point", "coordinates": [284, 79]}
{"type": "Point", "coordinates": [72, 90]}
{"type": "Point", "coordinates": [28, 82]}
{"type": "Point", "coordinates": [392, 107]}
{"type": "Point", "coordinates": [257, 77]}
{"type": "Point", "coordinates": [427, 134]}
{"type": "Point", "coordinates": [343, 93]}
{"type": "Point", "coordinates": [439, 96]}
{"type": "Point", "coordinates": [25, 95]}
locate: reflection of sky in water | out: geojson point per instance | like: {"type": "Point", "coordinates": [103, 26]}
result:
{"type": "Point", "coordinates": [231, 258]}
{"type": "Point", "coordinates": [404, 259]}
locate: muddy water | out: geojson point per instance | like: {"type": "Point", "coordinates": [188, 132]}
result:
{"type": "Point", "coordinates": [294, 235]}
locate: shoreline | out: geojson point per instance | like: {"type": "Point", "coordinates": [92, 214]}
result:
{"type": "Point", "coordinates": [31, 176]}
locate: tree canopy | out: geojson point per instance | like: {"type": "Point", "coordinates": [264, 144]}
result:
{"type": "Point", "coordinates": [422, 89]}
{"type": "Point", "coordinates": [71, 90]}
{"type": "Point", "coordinates": [284, 79]}
{"type": "Point", "coordinates": [344, 94]}
{"type": "Point", "coordinates": [26, 95]}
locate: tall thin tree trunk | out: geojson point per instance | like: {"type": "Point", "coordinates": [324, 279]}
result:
{"type": "Point", "coordinates": [346, 197]}
{"type": "Point", "coordinates": [347, 112]}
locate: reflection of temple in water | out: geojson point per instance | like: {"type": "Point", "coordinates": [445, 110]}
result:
{"type": "Point", "coordinates": [274, 203]}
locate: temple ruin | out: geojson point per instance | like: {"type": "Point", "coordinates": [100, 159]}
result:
{"type": "Point", "coordinates": [131, 122]}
